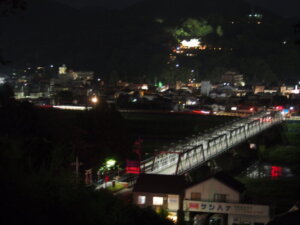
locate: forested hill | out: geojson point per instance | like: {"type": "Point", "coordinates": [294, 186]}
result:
{"type": "Point", "coordinates": [136, 42]}
{"type": "Point", "coordinates": [192, 8]}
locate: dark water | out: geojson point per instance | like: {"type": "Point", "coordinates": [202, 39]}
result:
{"type": "Point", "coordinates": [265, 170]}
{"type": "Point", "coordinates": [162, 129]}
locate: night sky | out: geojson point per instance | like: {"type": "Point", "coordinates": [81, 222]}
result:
{"type": "Point", "coordinates": [286, 8]}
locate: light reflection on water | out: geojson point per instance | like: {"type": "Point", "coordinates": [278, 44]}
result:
{"type": "Point", "coordinates": [263, 170]}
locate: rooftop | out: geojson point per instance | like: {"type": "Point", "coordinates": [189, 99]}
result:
{"type": "Point", "coordinates": [164, 184]}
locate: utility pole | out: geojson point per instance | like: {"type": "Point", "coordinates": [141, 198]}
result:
{"type": "Point", "coordinates": [77, 164]}
{"type": "Point", "coordinates": [137, 148]}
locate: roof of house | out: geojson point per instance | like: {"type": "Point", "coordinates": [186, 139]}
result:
{"type": "Point", "coordinates": [225, 179]}
{"type": "Point", "coordinates": [164, 184]}
{"type": "Point", "coordinates": [172, 184]}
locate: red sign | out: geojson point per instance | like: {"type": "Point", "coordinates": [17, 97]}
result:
{"type": "Point", "coordinates": [193, 205]}
{"type": "Point", "coordinates": [276, 171]}
{"type": "Point", "coordinates": [133, 167]}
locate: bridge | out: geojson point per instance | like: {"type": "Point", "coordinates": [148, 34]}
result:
{"type": "Point", "coordinates": [199, 149]}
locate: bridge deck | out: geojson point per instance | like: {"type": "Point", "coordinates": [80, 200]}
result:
{"type": "Point", "coordinates": [198, 149]}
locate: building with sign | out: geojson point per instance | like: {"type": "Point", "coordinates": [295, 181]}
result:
{"type": "Point", "coordinates": [221, 195]}
{"type": "Point", "coordinates": [213, 200]}
{"type": "Point", "coordinates": [235, 214]}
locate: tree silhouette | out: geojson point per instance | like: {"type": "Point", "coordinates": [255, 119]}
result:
{"type": "Point", "coordinates": [10, 6]}
{"type": "Point", "coordinates": [6, 95]}
{"type": "Point", "coordinates": [191, 28]}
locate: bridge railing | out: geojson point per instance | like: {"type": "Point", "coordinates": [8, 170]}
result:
{"type": "Point", "coordinates": [203, 147]}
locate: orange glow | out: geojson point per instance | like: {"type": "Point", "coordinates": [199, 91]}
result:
{"type": "Point", "coordinates": [202, 47]}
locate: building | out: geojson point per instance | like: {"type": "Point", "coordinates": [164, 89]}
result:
{"type": "Point", "coordinates": [290, 91]}
{"type": "Point", "coordinates": [213, 200]}
{"type": "Point", "coordinates": [82, 75]}
{"type": "Point", "coordinates": [160, 192]}
{"type": "Point", "coordinates": [233, 78]}
{"type": "Point", "coordinates": [206, 87]}
{"type": "Point", "coordinates": [261, 89]}
{"type": "Point", "coordinates": [219, 197]}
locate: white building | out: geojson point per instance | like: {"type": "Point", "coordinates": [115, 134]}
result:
{"type": "Point", "coordinates": [206, 87]}
{"type": "Point", "coordinates": [218, 197]}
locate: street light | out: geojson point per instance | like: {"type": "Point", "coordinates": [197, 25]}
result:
{"type": "Point", "coordinates": [94, 99]}
{"type": "Point", "coordinates": [110, 163]}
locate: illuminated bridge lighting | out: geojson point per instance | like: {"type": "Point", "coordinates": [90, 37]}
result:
{"type": "Point", "coordinates": [72, 107]}
{"type": "Point", "coordinates": [201, 148]}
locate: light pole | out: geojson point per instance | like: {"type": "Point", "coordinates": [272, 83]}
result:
{"type": "Point", "coordinates": [77, 164]}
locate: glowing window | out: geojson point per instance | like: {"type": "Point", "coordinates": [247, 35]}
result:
{"type": "Point", "coordinates": [141, 200]}
{"type": "Point", "coordinates": [158, 200]}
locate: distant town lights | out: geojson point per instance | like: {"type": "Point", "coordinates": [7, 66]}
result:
{"type": "Point", "coordinates": [193, 43]}
{"type": "Point", "coordinates": [144, 87]}
{"type": "Point", "coordinates": [256, 15]}
{"type": "Point", "coordinates": [71, 107]}
{"type": "Point", "coordinates": [191, 102]}
{"type": "Point", "coordinates": [2, 80]}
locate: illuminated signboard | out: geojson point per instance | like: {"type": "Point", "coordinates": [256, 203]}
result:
{"type": "Point", "coordinates": [133, 167]}
{"type": "Point", "coordinates": [276, 171]}
{"type": "Point", "coordinates": [228, 208]}
{"type": "Point", "coordinates": [173, 202]}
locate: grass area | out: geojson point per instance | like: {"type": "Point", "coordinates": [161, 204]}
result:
{"type": "Point", "coordinates": [117, 187]}
{"type": "Point", "coordinates": [288, 154]}
{"type": "Point", "coordinates": [292, 133]}
{"type": "Point", "coordinates": [281, 194]}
